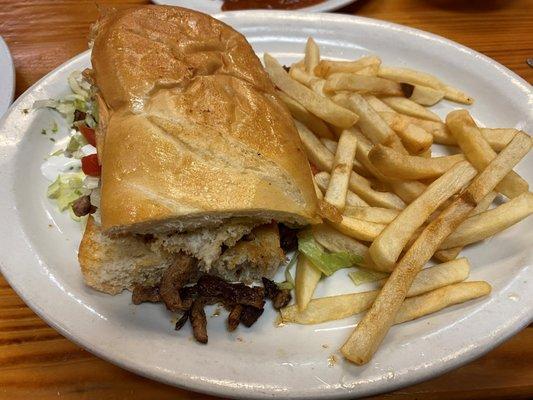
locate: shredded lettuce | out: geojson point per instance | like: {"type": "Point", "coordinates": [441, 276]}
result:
{"type": "Point", "coordinates": [360, 276]}
{"type": "Point", "coordinates": [66, 189]}
{"type": "Point", "coordinates": [77, 141]}
{"type": "Point", "coordinates": [327, 262]}
{"type": "Point", "coordinates": [79, 99]}
{"type": "Point", "coordinates": [289, 280]}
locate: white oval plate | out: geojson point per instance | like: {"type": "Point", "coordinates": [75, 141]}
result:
{"type": "Point", "coordinates": [38, 245]}
{"type": "Point", "coordinates": [213, 6]}
{"type": "Point", "coordinates": [7, 77]}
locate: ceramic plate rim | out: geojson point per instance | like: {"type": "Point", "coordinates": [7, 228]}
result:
{"type": "Point", "coordinates": [209, 387]}
{"type": "Point", "coordinates": [10, 76]}
{"type": "Point", "coordinates": [330, 5]}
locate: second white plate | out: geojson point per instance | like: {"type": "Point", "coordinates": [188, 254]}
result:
{"type": "Point", "coordinates": [213, 6]}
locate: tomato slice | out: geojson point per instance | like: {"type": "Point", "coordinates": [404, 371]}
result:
{"type": "Point", "coordinates": [314, 169]}
{"type": "Point", "coordinates": [88, 133]}
{"type": "Point", "coordinates": [90, 166]}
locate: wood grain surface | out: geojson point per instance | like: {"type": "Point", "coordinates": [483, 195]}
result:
{"type": "Point", "coordinates": [38, 363]}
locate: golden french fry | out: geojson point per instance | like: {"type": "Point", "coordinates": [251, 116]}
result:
{"type": "Point", "coordinates": [367, 336]}
{"type": "Point", "coordinates": [424, 95]}
{"type": "Point", "coordinates": [342, 167]}
{"type": "Point", "coordinates": [305, 117]}
{"type": "Point", "coordinates": [358, 228]}
{"type": "Point", "coordinates": [377, 104]}
{"type": "Point", "coordinates": [304, 77]}
{"type": "Point", "coordinates": [331, 145]}
{"type": "Point", "coordinates": [316, 104]}
{"type": "Point", "coordinates": [453, 253]}
{"type": "Point", "coordinates": [389, 244]}
{"type": "Point", "coordinates": [323, 159]}
{"type": "Point", "coordinates": [411, 76]}
{"type": "Point", "coordinates": [373, 214]}
{"type": "Point", "coordinates": [488, 223]}
{"type": "Point", "coordinates": [409, 107]}
{"type": "Point", "coordinates": [371, 70]}
{"type": "Point", "coordinates": [319, 194]}
{"type": "Point", "coordinates": [328, 67]}
{"type": "Point", "coordinates": [322, 181]}
{"type": "Point", "coordinates": [415, 139]}
{"type": "Point", "coordinates": [437, 276]}
{"type": "Point", "coordinates": [342, 306]}
{"type": "Point", "coordinates": [479, 152]}
{"type": "Point", "coordinates": [454, 94]}
{"type": "Point", "coordinates": [400, 166]}
{"type": "Point", "coordinates": [362, 84]}
{"type": "Point", "coordinates": [416, 307]}
{"type": "Point", "coordinates": [312, 55]}
{"type": "Point", "coordinates": [372, 125]}
{"type": "Point", "coordinates": [498, 138]}
{"type": "Point", "coordinates": [307, 278]}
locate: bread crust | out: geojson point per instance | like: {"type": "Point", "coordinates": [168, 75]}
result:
{"type": "Point", "coordinates": [195, 133]}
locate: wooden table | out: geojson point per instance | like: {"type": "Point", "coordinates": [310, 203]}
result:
{"type": "Point", "coordinates": [38, 363]}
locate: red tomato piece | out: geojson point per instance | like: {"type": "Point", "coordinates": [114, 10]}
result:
{"type": "Point", "coordinates": [314, 169]}
{"type": "Point", "coordinates": [90, 166]}
{"type": "Point", "coordinates": [88, 133]}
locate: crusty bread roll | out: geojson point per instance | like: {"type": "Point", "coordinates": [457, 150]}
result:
{"type": "Point", "coordinates": [195, 134]}
{"type": "Point", "coordinates": [113, 264]}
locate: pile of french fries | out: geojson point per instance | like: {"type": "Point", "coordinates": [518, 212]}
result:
{"type": "Point", "coordinates": [368, 135]}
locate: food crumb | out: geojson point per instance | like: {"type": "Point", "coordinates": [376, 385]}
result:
{"type": "Point", "coordinates": [332, 360]}
{"type": "Point", "coordinates": [325, 346]}
{"type": "Point", "coordinates": [239, 339]}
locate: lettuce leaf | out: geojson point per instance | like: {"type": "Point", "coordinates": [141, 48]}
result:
{"type": "Point", "coordinates": [327, 262]}
{"type": "Point", "coordinates": [361, 276]}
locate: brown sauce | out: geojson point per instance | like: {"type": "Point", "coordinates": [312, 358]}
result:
{"type": "Point", "coordinates": [232, 5]}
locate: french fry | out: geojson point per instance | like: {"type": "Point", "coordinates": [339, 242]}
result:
{"type": "Point", "coordinates": [372, 125]}
{"type": "Point", "coordinates": [371, 70]}
{"type": "Point", "coordinates": [358, 228]}
{"type": "Point", "coordinates": [409, 107]}
{"type": "Point", "coordinates": [305, 117]}
{"type": "Point", "coordinates": [328, 67]}
{"type": "Point", "coordinates": [323, 159]}
{"type": "Point", "coordinates": [340, 173]}
{"type": "Point", "coordinates": [304, 77]}
{"type": "Point", "coordinates": [415, 139]}
{"type": "Point", "coordinates": [488, 223]}
{"type": "Point", "coordinates": [389, 244]}
{"type": "Point", "coordinates": [367, 336]}
{"type": "Point", "coordinates": [331, 145]}
{"type": "Point", "coordinates": [424, 95]}
{"type": "Point", "coordinates": [498, 138]}
{"type": "Point", "coordinates": [306, 281]}
{"type": "Point", "coordinates": [414, 77]}
{"type": "Point", "coordinates": [322, 181]}
{"type": "Point", "coordinates": [453, 252]}
{"type": "Point", "coordinates": [318, 105]}
{"type": "Point", "coordinates": [411, 76]}
{"type": "Point", "coordinates": [312, 56]}
{"type": "Point", "coordinates": [416, 307]}
{"type": "Point", "coordinates": [342, 306]}
{"type": "Point", "coordinates": [400, 166]}
{"type": "Point", "coordinates": [372, 214]}
{"type": "Point", "coordinates": [319, 194]}
{"type": "Point", "coordinates": [377, 104]}
{"type": "Point", "coordinates": [479, 152]}
{"type": "Point", "coordinates": [454, 94]}
{"type": "Point", "coordinates": [362, 84]}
